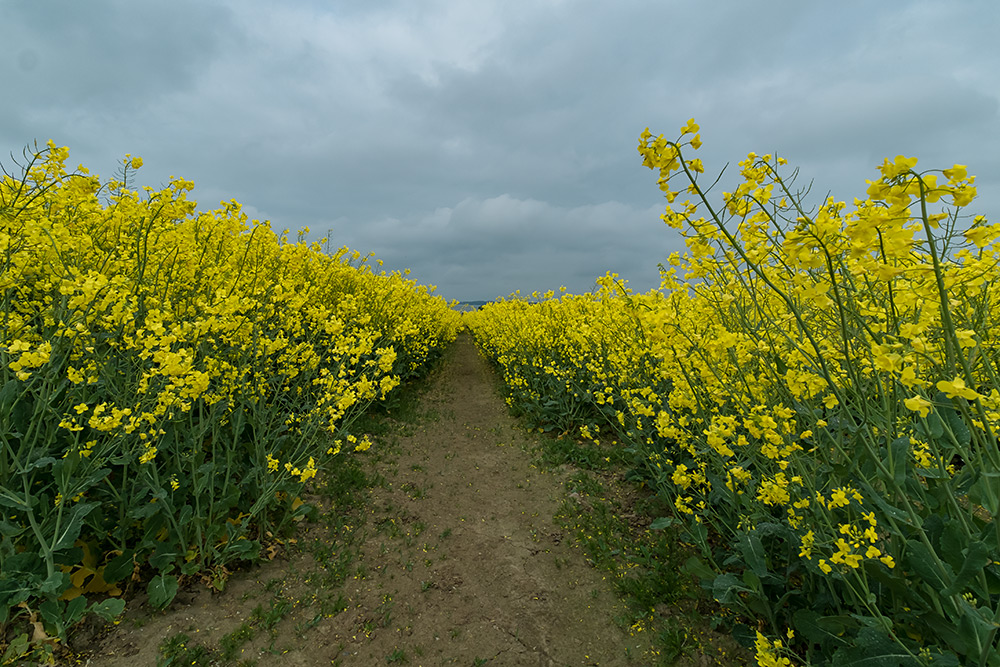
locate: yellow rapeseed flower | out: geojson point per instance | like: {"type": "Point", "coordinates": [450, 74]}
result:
{"type": "Point", "coordinates": [956, 388]}
{"type": "Point", "coordinates": [918, 404]}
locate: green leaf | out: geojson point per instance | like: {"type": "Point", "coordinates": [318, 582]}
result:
{"type": "Point", "coordinates": [873, 648]}
{"type": "Point", "coordinates": [70, 530]}
{"type": "Point", "coordinates": [161, 590]}
{"type": "Point", "coordinates": [899, 450]}
{"type": "Point", "coordinates": [956, 424]}
{"type": "Point", "coordinates": [75, 609]}
{"type": "Point", "coordinates": [10, 498]}
{"type": "Point", "coordinates": [894, 512]}
{"type": "Point", "coordinates": [241, 549]}
{"type": "Point", "coordinates": [55, 584]}
{"type": "Point", "coordinates": [92, 479]}
{"type": "Point", "coordinates": [753, 553]}
{"type": "Point", "coordinates": [697, 533]}
{"type": "Point", "coordinates": [725, 587]}
{"type": "Point", "coordinates": [21, 413]}
{"type": "Point", "coordinates": [191, 567]}
{"type": "Point", "coordinates": [144, 510]}
{"type": "Point", "coordinates": [185, 516]}
{"type": "Point", "coordinates": [984, 492]}
{"type": "Point", "coordinates": [978, 629]}
{"type": "Point", "coordinates": [920, 559]}
{"type": "Point", "coordinates": [662, 522]}
{"type": "Point", "coordinates": [695, 566]}
{"type": "Point", "coordinates": [993, 581]}
{"type": "Point", "coordinates": [118, 567]}
{"type": "Point", "coordinates": [51, 611]}
{"type": "Point", "coordinates": [164, 556]}
{"type": "Point", "coordinates": [8, 394]}
{"type": "Point", "coordinates": [40, 462]}
{"type": "Point", "coordinates": [14, 591]}
{"type": "Point", "coordinates": [744, 635]}
{"type": "Point", "coordinates": [203, 476]}
{"type": "Point", "coordinates": [938, 659]}
{"type": "Point", "coordinates": [19, 647]}
{"type": "Point", "coordinates": [933, 427]}
{"type": "Point", "coordinates": [108, 609]}
{"type": "Point", "coordinates": [810, 625]}
{"type": "Point", "coordinates": [770, 529]}
{"type": "Point", "coordinates": [751, 579]}
{"type": "Point", "coordinates": [934, 473]}
{"type": "Point", "coordinates": [70, 556]}
{"type": "Point", "coordinates": [951, 543]}
{"type": "Point", "coordinates": [24, 563]}
{"type": "Point", "coordinates": [7, 529]}
{"type": "Point", "coordinates": [934, 528]}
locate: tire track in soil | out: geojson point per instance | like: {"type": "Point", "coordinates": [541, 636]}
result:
{"type": "Point", "coordinates": [461, 562]}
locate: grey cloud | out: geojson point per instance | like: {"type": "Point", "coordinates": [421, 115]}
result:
{"type": "Point", "coordinates": [109, 55]}
{"type": "Point", "coordinates": [491, 146]}
{"type": "Point", "coordinates": [526, 245]}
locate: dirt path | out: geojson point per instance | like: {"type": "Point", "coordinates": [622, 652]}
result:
{"type": "Point", "coordinates": [458, 562]}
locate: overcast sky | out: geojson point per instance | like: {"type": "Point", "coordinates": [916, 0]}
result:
{"type": "Point", "coordinates": [490, 145]}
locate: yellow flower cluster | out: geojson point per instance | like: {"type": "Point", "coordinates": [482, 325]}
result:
{"type": "Point", "coordinates": [210, 306]}
{"type": "Point", "coordinates": [767, 652]}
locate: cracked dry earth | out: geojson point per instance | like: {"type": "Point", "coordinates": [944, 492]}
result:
{"type": "Point", "coordinates": [458, 561]}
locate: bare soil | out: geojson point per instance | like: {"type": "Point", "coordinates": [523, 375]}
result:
{"type": "Point", "coordinates": [455, 559]}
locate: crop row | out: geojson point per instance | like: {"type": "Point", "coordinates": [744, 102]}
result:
{"type": "Point", "coordinates": [816, 394]}
{"type": "Point", "coordinates": [169, 381]}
